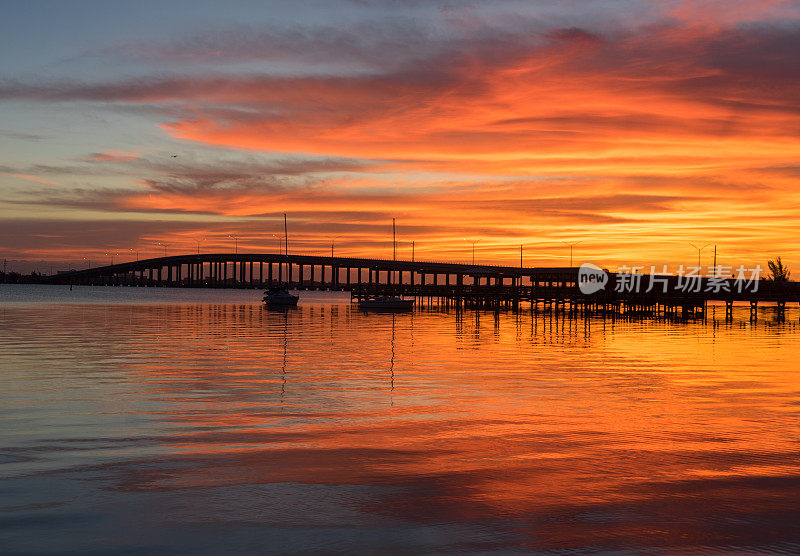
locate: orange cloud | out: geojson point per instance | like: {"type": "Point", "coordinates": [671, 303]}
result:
{"type": "Point", "coordinates": [636, 138]}
{"type": "Point", "coordinates": [114, 155]}
{"type": "Point", "coordinates": [37, 179]}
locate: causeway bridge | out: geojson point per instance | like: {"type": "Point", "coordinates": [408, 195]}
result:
{"type": "Point", "coordinates": [442, 283]}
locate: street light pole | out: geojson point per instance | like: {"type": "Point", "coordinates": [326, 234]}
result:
{"type": "Point", "coordinates": [474, 241]}
{"type": "Point", "coordinates": [286, 234]}
{"type": "Point", "coordinates": [198, 242]}
{"type": "Point", "coordinates": [699, 250]}
{"type": "Point", "coordinates": [570, 250]}
{"type": "Point", "coordinates": [715, 261]}
{"type": "Point", "coordinates": [520, 255]}
{"type": "Point", "coordinates": [333, 240]}
{"type": "Point", "coordinates": [473, 252]}
{"type": "Point", "coordinates": [412, 251]}
{"type": "Point", "coordinates": [235, 244]}
{"type": "Point", "coordinates": [394, 240]}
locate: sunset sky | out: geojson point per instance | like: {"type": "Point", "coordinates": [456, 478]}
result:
{"type": "Point", "coordinates": [634, 128]}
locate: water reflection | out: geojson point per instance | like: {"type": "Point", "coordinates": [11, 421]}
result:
{"type": "Point", "coordinates": [391, 365]}
{"type": "Point", "coordinates": [497, 432]}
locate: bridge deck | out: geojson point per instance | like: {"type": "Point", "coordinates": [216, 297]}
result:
{"type": "Point", "coordinates": [453, 282]}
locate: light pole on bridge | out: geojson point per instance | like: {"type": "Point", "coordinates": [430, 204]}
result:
{"type": "Point", "coordinates": [164, 245]}
{"type": "Point", "coordinates": [571, 245]}
{"type": "Point", "coordinates": [235, 243]}
{"type": "Point", "coordinates": [333, 239]}
{"type": "Point", "coordinates": [521, 247]}
{"type": "Point", "coordinates": [473, 241]}
{"type": "Point", "coordinates": [394, 240]}
{"type": "Point", "coordinates": [699, 250]}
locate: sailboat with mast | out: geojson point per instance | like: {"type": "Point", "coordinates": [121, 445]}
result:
{"type": "Point", "coordinates": [279, 297]}
{"type": "Point", "coordinates": [388, 303]}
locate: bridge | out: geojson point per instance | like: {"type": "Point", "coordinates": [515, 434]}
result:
{"type": "Point", "coordinates": [555, 288]}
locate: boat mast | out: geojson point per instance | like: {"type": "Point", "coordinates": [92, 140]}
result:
{"type": "Point", "coordinates": [286, 250]}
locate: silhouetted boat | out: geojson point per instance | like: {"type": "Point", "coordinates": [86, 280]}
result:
{"type": "Point", "coordinates": [280, 297]}
{"type": "Point", "coordinates": [386, 303]}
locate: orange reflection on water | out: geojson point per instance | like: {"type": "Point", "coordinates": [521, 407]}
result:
{"type": "Point", "coordinates": [566, 433]}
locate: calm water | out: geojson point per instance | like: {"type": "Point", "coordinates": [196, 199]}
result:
{"type": "Point", "coordinates": [177, 421]}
